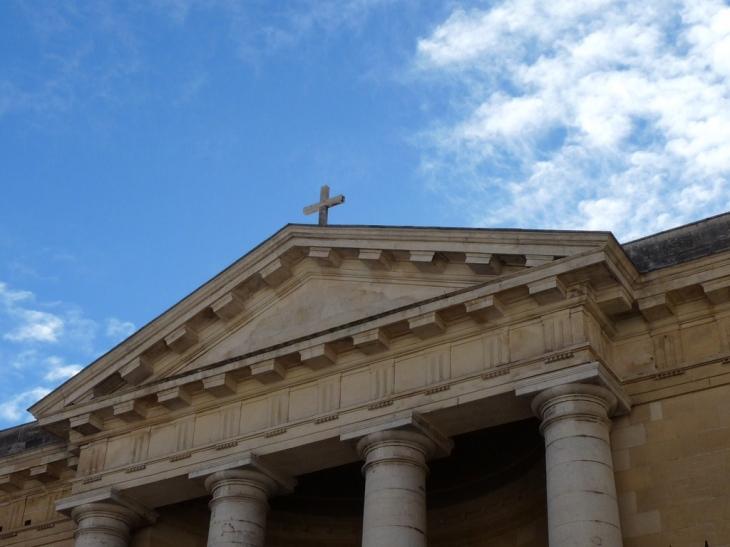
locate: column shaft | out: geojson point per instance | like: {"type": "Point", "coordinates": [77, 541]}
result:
{"type": "Point", "coordinates": [581, 491]}
{"type": "Point", "coordinates": [395, 488]}
{"type": "Point", "coordinates": [239, 508]}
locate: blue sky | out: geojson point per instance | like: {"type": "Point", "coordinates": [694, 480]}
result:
{"type": "Point", "coordinates": [146, 146]}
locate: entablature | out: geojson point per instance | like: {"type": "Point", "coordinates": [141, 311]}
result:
{"type": "Point", "coordinates": [174, 449]}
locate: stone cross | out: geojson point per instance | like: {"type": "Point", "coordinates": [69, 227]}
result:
{"type": "Point", "coordinates": [325, 202]}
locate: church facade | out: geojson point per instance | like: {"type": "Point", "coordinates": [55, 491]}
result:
{"type": "Point", "coordinates": [403, 387]}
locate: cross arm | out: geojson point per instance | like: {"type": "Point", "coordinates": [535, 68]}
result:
{"type": "Point", "coordinates": [331, 202]}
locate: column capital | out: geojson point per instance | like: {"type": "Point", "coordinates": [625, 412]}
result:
{"type": "Point", "coordinates": [588, 374]}
{"type": "Point", "coordinates": [247, 466]}
{"type": "Point", "coordinates": [398, 445]}
{"type": "Point", "coordinates": [401, 427]}
{"type": "Point", "coordinates": [131, 518]}
{"type": "Point", "coordinates": [231, 479]}
{"type": "Point", "coordinates": [106, 520]}
{"type": "Point", "coordinates": [107, 497]}
{"type": "Point", "coordinates": [105, 517]}
{"type": "Point", "coordinates": [570, 401]}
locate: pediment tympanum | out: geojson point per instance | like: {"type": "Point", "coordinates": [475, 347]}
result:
{"type": "Point", "coordinates": [316, 305]}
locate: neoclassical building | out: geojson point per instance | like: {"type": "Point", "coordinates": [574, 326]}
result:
{"type": "Point", "coordinates": [403, 387]}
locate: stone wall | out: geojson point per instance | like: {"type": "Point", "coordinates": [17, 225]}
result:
{"type": "Point", "coordinates": [672, 468]}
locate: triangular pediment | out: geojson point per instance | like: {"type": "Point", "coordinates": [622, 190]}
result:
{"type": "Point", "coordinates": [309, 280]}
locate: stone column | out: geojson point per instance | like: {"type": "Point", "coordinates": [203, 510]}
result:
{"type": "Point", "coordinates": [395, 487]}
{"type": "Point", "coordinates": [581, 492]}
{"type": "Point", "coordinates": [104, 524]}
{"type": "Point", "coordinates": [239, 507]}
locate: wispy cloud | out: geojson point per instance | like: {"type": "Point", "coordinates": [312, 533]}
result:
{"type": "Point", "coordinates": [13, 409]}
{"type": "Point", "coordinates": [119, 330]}
{"type": "Point", "coordinates": [305, 18]}
{"type": "Point", "coordinates": [260, 28]}
{"type": "Point", "coordinates": [36, 326]}
{"type": "Point", "coordinates": [596, 115]}
{"type": "Point", "coordinates": [25, 359]}
{"type": "Point", "coordinates": [28, 323]}
{"type": "Point", "coordinates": [31, 325]}
{"type": "Point", "coordinates": [10, 297]}
{"type": "Point", "coordinates": [177, 10]}
{"type": "Point", "coordinates": [44, 343]}
{"type": "Point", "coordinates": [85, 53]}
{"type": "Point", "coordinates": [58, 370]}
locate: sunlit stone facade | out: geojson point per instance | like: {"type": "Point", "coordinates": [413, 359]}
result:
{"type": "Point", "coordinates": [403, 387]}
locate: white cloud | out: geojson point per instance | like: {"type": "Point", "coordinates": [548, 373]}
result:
{"type": "Point", "coordinates": [119, 330]}
{"type": "Point", "coordinates": [58, 370]}
{"type": "Point", "coordinates": [13, 409]}
{"type": "Point", "coordinates": [29, 334]}
{"type": "Point", "coordinates": [10, 297]}
{"type": "Point", "coordinates": [585, 114]}
{"type": "Point", "coordinates": [36, 326]}
{"type": "Point", "coordinates": [30, 326]}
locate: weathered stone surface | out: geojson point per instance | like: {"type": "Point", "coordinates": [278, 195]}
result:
{"type": "Point", "coordinates": [696, 240]}
{"type": "Point", "coordinates": [174, 398]}
{"type": "Point", "coordinates": [24, 437]}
